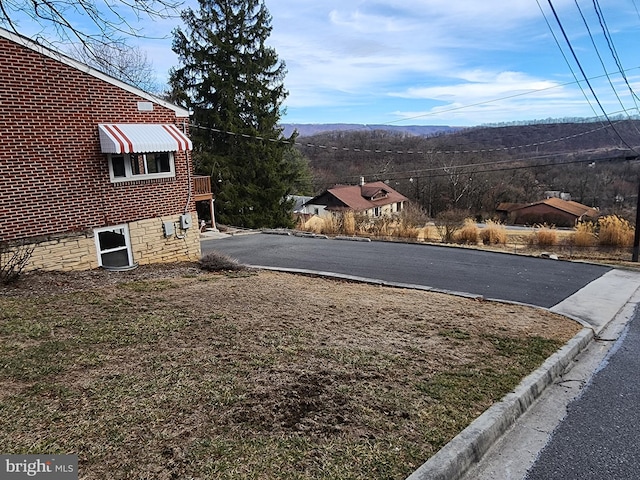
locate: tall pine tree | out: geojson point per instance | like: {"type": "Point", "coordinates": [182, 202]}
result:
{"type": "Point", "coordinates": [233, 83]}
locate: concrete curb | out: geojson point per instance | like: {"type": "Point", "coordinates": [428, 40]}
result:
{"type": "Point", "coordinates": [468, 447]}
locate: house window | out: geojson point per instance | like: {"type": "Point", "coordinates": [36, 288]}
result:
{"type": "Point", "coordinates": [141, 166]}
{"type": "Point", "coordinates": [114, 247]}
{"type": "Point", "coordinates": [376, 212]}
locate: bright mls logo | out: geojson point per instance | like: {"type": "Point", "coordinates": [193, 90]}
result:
{"type": "Point", "coordinates": [49, 467]}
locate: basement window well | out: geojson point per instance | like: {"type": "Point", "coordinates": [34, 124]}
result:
{"type": "Point", "coordinates": [114, 248]}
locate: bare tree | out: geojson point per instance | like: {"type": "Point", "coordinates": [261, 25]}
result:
{"type": "Point", "coordinates": [129, 64]}
{"type": "Point", "coordinates": [88, 22]}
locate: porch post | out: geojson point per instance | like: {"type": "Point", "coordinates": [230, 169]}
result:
{"type": "Point", "coordinates": [213, 215]}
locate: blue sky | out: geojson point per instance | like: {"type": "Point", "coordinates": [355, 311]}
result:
{"type": "Point", "coordinates": [443, 62]}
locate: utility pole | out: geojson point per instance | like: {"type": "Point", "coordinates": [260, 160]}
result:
{"type": "Point", "coordinates": [636, 238]}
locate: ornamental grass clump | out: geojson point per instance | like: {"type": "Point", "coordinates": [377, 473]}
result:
{"type": "Point", "coordinates": [469, 233]}
{"type": "Point", "coordinates": [493, 233]}
{"type": "Point", "coordinates": [544, 236]}
{"type": "Point", "coordinates": [348, 223]}
{"type": "Point", "coordinates": [332, 225]}
{"type": "Point", "coordinates": [584, 235]}
{"type": "Point", "coordinates": [614, 231]}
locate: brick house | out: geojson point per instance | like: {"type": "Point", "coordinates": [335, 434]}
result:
{"type": "Point", "coordinates": [93, 172]}
{"type": "Point", "coordinates": [374, 199]}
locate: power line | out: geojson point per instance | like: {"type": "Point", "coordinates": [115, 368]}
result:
{"type": "Point", "coordinates": [575, 57]}
{"type": "Point", "coordinates": [612, 49]}
{"type": "Point", "coordinates": [508, 97]}
{"type": "Point", "coordinates": [573, 73]}
{"type": "Point", "coordinates": [425, 172]}
{"type": "Point", "coordinates": [595, 47]}
{"type": "Point", "coordinates": [404, 176]}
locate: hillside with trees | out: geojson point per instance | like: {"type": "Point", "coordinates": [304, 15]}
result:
{"type": "Point", "coordinates": [476, 169]}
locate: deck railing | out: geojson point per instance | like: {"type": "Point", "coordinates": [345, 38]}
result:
{"type": "Point", "coordinates": [202, 187]}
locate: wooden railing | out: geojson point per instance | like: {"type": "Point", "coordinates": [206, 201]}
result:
{"type": "Point", "coordinates": [202, 188]}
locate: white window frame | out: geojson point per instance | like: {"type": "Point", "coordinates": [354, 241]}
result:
{"type": "Point", "coordinates": [129, 176]}
{"type": "Point", "coordinates": [127, 246]}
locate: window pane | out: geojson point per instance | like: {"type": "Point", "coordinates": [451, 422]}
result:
{"type": "Point", "coordinates": [112, 239]}
{"type": "Point", "coordinates": [118, 166]}
{"type": "Point", "coordinates": [115, 259]}
{"type": "Point", "coordinates": [152, 166]}
{"type": "Point", "coordinates": [137, 165]}
{"type": "Point", "coordinates": [163, 162]}
{"type": "Point", "coordinates": [158, 162]}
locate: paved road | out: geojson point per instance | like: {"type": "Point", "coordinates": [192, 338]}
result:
{"type": "Point", "coordinates": [528, 280]}
{"type": "Point", "coordinates": [599, 438]}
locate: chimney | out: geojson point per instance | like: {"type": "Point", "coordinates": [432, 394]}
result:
{"type": "Point", "coordinates": [361, 181]}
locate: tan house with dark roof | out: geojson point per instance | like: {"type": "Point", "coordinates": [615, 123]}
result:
{"type": "Point", "coordinates": [374, 199]}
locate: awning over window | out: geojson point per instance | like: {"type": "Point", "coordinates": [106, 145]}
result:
{"type": "Point", "coordinates": [141, 138]}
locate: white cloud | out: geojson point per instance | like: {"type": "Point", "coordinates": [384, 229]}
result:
{"type": "Point", "coordinates": [377, 61]}
{"type": "Point", "coordinates": [483, 85]}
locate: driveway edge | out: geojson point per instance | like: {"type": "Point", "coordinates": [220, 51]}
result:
{"type": "Point", "coordinates": [468, 447]}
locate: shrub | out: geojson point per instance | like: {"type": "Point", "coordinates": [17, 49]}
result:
{"type": "Point", "coordinates": [428, 233]}
{"type": "Point", "coordinates": [406, 231]}
{"type": "Point", "coordinates": [469, 232]}
{"type": "Point", "coordinates": [410, 221]}
{"type": "Point", "coordinates": [217, 262]}
{"type": "Point", "coordinates": [545, 236]}
{"type": "Point", "coordinates": [413, 215]}
{"type": "Point", "coordinates": [448, 223]}
{"type": "Point", "coordinates": [615, 231]}
{"type": "Point", "coordinates": [381, 227]}
{"type": "Point", "coordinates": [13, 260]}
{"type": "Point", "coordinates": [493, 233]}
{"type": "Point", "coordinates": [584, 235]}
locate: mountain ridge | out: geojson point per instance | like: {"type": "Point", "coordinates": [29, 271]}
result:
{"type": "Point", "coordinates": [310, 129]}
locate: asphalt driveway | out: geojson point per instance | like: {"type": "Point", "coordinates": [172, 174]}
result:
{"type": "Point", "coordinates": [529, 280]}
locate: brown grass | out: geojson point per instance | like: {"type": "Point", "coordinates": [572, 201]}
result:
{"type": "Point", "coordinates": [468, 233]}
{"type": "Point", "coordinates": [493, 233]}
{"type": "Point", "coordinates": [544, 236]}
{"type": "Point", "coordinates": [615, 231]}
{"type": "Point", "coordinates": [177, 373]}
{"type": "Point", "coordinates": [584, 235]}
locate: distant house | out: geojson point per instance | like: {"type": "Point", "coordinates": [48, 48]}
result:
{"type": "Point", "coordinates": [93, 172]}
{"type": "Point", "coordinates": [373, 199]}
{"type": "Point", "coordinates": [298, 203]}
{"type": "Point", "coordinates": [552, 211]}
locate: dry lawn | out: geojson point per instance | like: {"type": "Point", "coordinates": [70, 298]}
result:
{"type": "Point", "coordinates": [174, 373]}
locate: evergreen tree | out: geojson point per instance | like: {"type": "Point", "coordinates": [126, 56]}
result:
{"type": "Point", "coordinates": [233, 83]}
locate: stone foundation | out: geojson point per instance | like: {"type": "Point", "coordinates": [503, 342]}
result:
{"type": "Point", "coordinates": [148, 245]}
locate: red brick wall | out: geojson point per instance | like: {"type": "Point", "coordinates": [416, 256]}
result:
{"type": "Point", "coordinates": [53, 177]}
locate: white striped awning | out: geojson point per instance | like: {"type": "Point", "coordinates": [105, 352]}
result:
{"type": "Point", "coordinates": [141, 138]}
